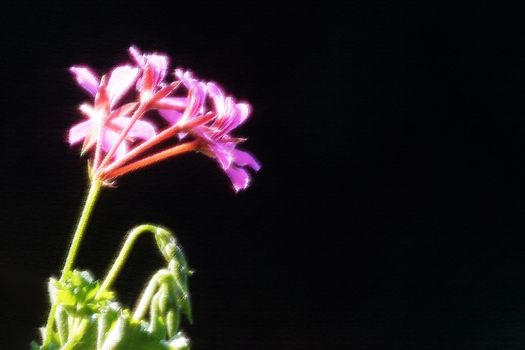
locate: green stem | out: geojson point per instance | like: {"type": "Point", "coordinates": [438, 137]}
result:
{"type": "Point", "coordinates": [94, 190]}
{"type": "Point", "coordinates": [92, 196]}
{"type": "Point", "coordinates": [123, 255]}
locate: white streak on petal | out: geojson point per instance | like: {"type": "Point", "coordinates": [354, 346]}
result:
{"type": "Point", "coordinates": [120, 81]}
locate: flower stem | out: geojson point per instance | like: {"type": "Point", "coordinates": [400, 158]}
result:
{"type": "Point", "coordinates": [143, 107]}
{"type": "Point", "coordinates": [92, 196]}
{"type": "Point", "coordinates": [123, 255]}
{"type": "Point", "coordinates": [157, 157]}
{"type": "Point", "coordinates": [94, 190]}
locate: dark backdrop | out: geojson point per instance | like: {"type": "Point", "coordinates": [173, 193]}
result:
{"type": "Point", "coordinates": [388, 213]}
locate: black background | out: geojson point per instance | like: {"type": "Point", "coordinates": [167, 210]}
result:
{"type": "Point", "coordinates": [388, 213]}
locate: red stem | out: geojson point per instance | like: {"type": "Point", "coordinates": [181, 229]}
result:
{"type": "Point", "coordinates": [143, 147]}
{"type": "Point", "coordinates": [138, 113]}
{"type": "Point", "coordinates": [171, 152]}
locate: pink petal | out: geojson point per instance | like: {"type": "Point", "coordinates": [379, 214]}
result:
{"type": "Point", "coordinates": [79, 131]}
{"type": "Point", "coordinates": [226, 118]}
{"type": "Point", "coordinates": [109, 139]}
{"type": "Point", "coordinates": [239, 178]}
{"type": "Point", "coordinates": [223, 154]}
{"type": "Point", "coordinates": [137, 56]}
{"type": "Point", "coordinates": [141, 129]}
{"type": "Point", "coordinates": [170, 115]}
{"type": "Point", "coordinates": [86, 79]}
{"type": "Point", "coordinates": [197, 97]}
{"type": "Point", "coordinates": [186, 77]}
{"type": "Point", "coordinates": [238, 114]}
{"type": "Point", "coordinates": [244, 110]}
{"type": "Point", "coordinates": [160, 66]}
{"type": "Point", "coordinates": [120, 81]}
{"type": "Point", "coordinates": [218, 97]}
{"type": "Point", "coordinates": [242, 158]}
{"type": "Point", "coordinates": [158, 62]}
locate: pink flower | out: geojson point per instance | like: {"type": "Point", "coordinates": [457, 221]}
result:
{"type": "Point", "coordinates": [103, 122]}
{"type": "Point", "coordinates": [154, 67]}
{"type": "Point", "coordinates": [120, 81]}
{"type": "Point", "coordinates": [203, 118]}
{"type": "Point", "coordinates": [222, 146]}
{"type": "Point", "coordinates": [217, 143]}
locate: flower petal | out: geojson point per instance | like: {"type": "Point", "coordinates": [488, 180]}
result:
{"type": "Point", "coordinates": [120, 80]}
{"type": "Point", "coordinates": [186, 77]}
{"type": "Point", "coordinates": [223, 154]}
{"type": "Point", "coordinates": [242, 158]}
{"type": "Point", "coordinates": [86, 79]}
{"type": "Point", "coordinates": [197, 97]}
{"type": "Point", "coordinates": [158, 63]}
{"type": "Point", "coordinates": [239, 178]}
{"type": "Point", "coordinates": [244, 110]}
{"type": "Point", "coordinates": [109, 139]}
{"type": "Point", "coordinates": [170, 115]}
{"type": "Point", "coordinates": [137, 56]}
{"type": "Point", "coordinates": [79, 131]}
{"type": "Point", "coordinates": [140, 129]}
{"type": "Point", "coordinates": [217, 96]}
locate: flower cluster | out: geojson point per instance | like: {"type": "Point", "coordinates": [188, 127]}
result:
{"type": "Point", "coordinates": [186, 114]}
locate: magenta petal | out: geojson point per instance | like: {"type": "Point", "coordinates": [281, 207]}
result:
{"type": "Point", "coordinates": [239, 178]}
{"type": "Point", "coordinates": [86, 79]}
{"type": "Point", "coordinates": [137, 56]}
{"type": "Point", "coordinates": [170, 115]}
{"type": "Point", "coordinates": [79, 131]}
{"type": "Point", "coordinates": [159, 64]}
{"type": "Point", "coordinates": [218, 97]}
{"type": "Point", "coordinates": [141, 129]}
{"type": "Point", "coordinates": [243, 110]}
{"type": "Point", "coordinates": [222, 154]}
{"type": "Point", "coordinates": [196, 101]}
{"type": "Point", "coordinates": [186, 77]}
{"type": "Point", "coordinates": [242, 158]}
{"type": "Point", "coordinates": [109, 139]}
{"type": "Point", "coordinates": [120, 81]}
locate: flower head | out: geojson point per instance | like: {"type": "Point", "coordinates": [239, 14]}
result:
{"type": "Point", "coordinates": [198, 116]}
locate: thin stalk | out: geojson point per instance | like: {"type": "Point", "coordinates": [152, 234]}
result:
{"type": "Point", "coordinates": [94, 190]}
{"type": "Point", "coordinates": [136, 115]}
{"type": "Point", "coordinates": [164, 135]}
{"type": "Point", "coordinates": [92, 196]}
{"type": "Point", "coordinates": [179, 149]}
{"type": "Point", "coordinates": [112, 274]}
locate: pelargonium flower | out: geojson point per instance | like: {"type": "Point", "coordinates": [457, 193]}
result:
{"type": "Point", "coordinates": [103, 122]}
{"type": "Point", "coordinates": [200, 117]}
{"type": "Point", "coordinates": [222, 146]}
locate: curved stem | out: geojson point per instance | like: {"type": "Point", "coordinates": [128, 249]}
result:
{"type": "Point", "coordinates": [123, 255]}
{"type": "Point", "coordinates": [94, 190]}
